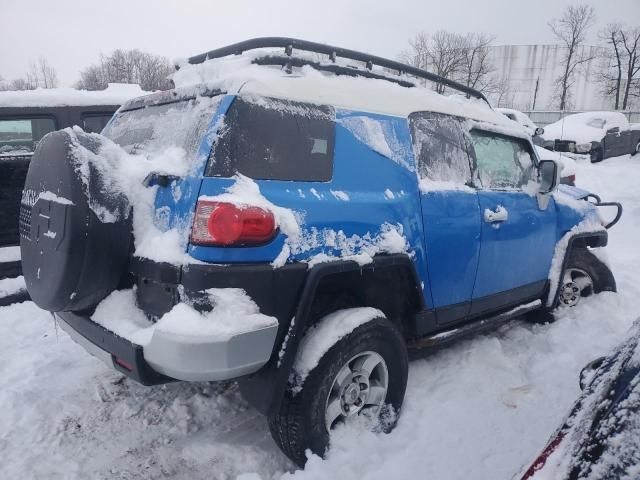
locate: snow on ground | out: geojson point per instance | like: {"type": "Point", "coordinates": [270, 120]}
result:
{"type": "Point", "coordinates": [480, 409]}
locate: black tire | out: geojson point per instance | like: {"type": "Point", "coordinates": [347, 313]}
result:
{"type": "Point", "coordinates": [70, 258]}
{"type": "Point", "coordinates": [597, 155]}
{"type": "Point", "coordinates": [300, 423]}
{"type": "Point", "coordinates": [637, 150]}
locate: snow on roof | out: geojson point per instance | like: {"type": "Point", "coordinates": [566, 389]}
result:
{"type": "Point", "coordinates": [114, 94]}
{"type": "Point", "coordinates": [585, 127]}
{"type": "Point", "coordinates": [238, 74]}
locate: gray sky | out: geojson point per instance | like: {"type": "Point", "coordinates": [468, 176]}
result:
{"type": "Point", "coordinates": [72, 33]}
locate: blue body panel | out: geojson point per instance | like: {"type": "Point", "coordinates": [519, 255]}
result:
{"type": "Point", "coordinates": [452, 237]}
{"type": "Point", "coordinates": [458, 257]}
{"type": "Point", "coordinates": [516, 252]}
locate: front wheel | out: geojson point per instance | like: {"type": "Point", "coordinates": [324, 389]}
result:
{"type": "Point", "coordinates": [362, 374]}
{"type": "Point", "coordinates": [583, 276]}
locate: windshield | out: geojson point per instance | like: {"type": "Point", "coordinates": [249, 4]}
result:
{"type": "Point", "coordinates": [156, 128]}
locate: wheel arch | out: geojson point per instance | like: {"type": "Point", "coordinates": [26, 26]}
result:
{"type": "Point", "coordinates": [594, 239]}
{"type": "Point", "coordinates": [389, 283]}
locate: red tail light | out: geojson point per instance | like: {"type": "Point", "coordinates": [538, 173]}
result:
{"type": "Point", "coordinates": [225, 224]}
{"type": "Point", "coordinates": [542, 459]}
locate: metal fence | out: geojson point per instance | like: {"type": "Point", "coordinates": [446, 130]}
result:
{"type": "Point", "coordinates": [545, 117]}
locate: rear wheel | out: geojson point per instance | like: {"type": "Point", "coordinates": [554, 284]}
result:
{"type": "Point", "coordinates": [583, 276]}
{"type": "Point", "coordinates": [363, 374]}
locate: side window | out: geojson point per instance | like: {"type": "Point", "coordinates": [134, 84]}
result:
{"type": "Point", "coordinates": [94, 123]}
{"type": "Point", "coordinates": [272, 139]}
{"type": "Point", "coordinates": [440, 148]}
{"type": "Point", "coordinates": [21, 135]}
{"type": "Point", "coordinates": [503, 162]}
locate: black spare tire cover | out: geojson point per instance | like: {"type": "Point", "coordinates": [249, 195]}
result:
{"type": "Point", "coordinates": [70, 258]}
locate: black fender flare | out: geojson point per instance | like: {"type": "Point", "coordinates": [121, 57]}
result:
{"type": "Point", "coordinates": [265, 389]}
{"type": "Point", "coordinates": [593, 239]}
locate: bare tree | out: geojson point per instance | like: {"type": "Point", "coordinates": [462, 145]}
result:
{"type": "Point", "coordinates": [464, 58]}
{"type": "Point", "coordinates": [610, 76]}
{"type": "Point", "coordinates": [127, 66]}
{"type": "Point", "coordinates": [41, 74]}
{"type": "Point", "coordinates": [476, 64]}
{"type": "Point", "coordinates": [631, 44]}
{"type": "Point", "coordinates": [570, 29]}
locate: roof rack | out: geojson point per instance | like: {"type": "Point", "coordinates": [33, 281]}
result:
{"type": "Point", "coordinates": [333, 52]}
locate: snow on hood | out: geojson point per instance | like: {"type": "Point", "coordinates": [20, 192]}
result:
{"type": "Point", "coordinates": [585, 127]}
{"type": "Point", "coordinates": [114, 94]}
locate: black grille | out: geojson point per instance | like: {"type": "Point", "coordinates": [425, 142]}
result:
{"type": "Point", "coordinates": [25, 221]}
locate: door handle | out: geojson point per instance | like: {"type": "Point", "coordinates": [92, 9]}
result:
{"type": "Point", "coordinates": [499, 215]}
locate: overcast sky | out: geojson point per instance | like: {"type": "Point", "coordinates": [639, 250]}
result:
{"type": "Point", "coordinates": [72, 33]}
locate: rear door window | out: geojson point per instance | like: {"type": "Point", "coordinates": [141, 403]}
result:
{"type": "Point", "coordinates": [503, 162]}
{"type": "Point", "coordinates": [272, 139]}
{"type": "Point", "coordinates": [21, 135]}
{"type": "Point", "coordinates": [440, 148]}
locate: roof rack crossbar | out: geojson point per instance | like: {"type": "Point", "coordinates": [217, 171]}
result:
{"type": "Point", "coordinates": [369, 60]}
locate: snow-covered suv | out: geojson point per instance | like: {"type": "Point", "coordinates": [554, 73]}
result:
{"type": "Point", "coordinates": [299, 223]}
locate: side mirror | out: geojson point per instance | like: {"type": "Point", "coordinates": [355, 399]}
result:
{"type": "Point", "coordinates": [539, 131]}
{"type": "Point", "coordinates": [613, 130]}
{"type": "Point", "coordinates": [586, 374]}
{"type": "Point", "coordinates": [547, 175]}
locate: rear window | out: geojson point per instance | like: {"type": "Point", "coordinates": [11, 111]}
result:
{"type": "Point", "coordinates": [21, 135]}
{"type": "Point", "coordinates": [154, 129]}
{"type": "Point", "coordinates": [273, 139]}
{"type": "Point", "coordinates": [95, 122]}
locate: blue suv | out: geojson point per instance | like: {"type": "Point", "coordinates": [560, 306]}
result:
{"type": "Point", "coordinates": [327, 220]}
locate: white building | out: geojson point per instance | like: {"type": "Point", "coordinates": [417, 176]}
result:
{"type": "Point", "coordinates": [529, 74]}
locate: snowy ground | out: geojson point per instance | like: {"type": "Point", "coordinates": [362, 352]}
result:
{"type": "Point", "coordinates": [480, 409]}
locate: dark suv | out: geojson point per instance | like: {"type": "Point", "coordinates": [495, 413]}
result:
{"type": "Point", "coordinates": [299, 223]}
{"type": "Point", "coordinates": [26, 117]}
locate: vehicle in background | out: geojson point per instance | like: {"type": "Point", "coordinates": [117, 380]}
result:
{"type": "Point", "coordinates": [522, 119]}
{"type": "Point", "coordinates": [599, 438]}
{"type": "Point", "coordinates": [567, 165]}
{"type": "Point", "coordinates": [26, 117]}
{"type": "Point", "coordinates": [597, 134]}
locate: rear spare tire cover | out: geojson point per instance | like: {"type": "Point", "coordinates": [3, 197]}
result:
{"type": "Point", "coordinates": [70, 258]}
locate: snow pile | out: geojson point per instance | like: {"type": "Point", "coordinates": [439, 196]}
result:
{"type": "Point", "coordinates": [121, 177]}
{"type": "Point", "coordinates": [325, 334]}
{"type": "Point", "coordinates": [115, 94]}
{"type": "Point", "coordinates": [233, 313]}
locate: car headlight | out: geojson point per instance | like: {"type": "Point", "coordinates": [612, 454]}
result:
{"type": "Point", "coordinates": [583, 147]}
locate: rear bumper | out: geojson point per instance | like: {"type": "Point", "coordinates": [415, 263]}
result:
{"type": "Point", "coordinates": [173, 357]}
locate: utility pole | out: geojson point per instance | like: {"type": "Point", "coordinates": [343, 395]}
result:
{"type": "Point", "coordinates": [535, 93]}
